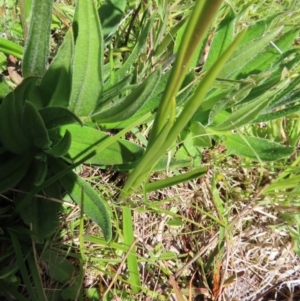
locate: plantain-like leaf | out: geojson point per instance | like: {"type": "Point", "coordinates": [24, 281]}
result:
{"type": "Point", "coordinates": [40, 213]}
{"type": "Point", "coordinates": [12, 135]}
{"type": "Point", "coordinates": [278, 114]}
{"type": "Point", "coordinates": [264, 60]}
{"type": "Point", "coordinates": [28, 90]}
{"type": "Point", "coordinates": [221, 39]}
{"type": "Point", "coordinates": [13, 169]}
{"type": "Point", "coordinates": [114, 90]}
{"type": "Point", "coordinates": [59, 268]}
{"type": "Point", "coordinates": [39, 169]}
{"type": "Point", "coordinates": [34, 126]}
{"type": "Point", "coordinates": [54, 117]}
{"type": "Point", "coordinates": [258, 149]}
{"type": "Point", "coordinates": [88, 139]}
{"type": "Point", "coordinates": [87, 78]}
{"type": "Point", "coordinates": [84, 195]}
{"type": "Point", "coordinates": [56, 83]}
{"type": "Point", "coordinates": [37, 43]}
{"type": "Point", "coordinates": [62, 147]}
{"type": "Point", "coordinates": [200, 136]}
{"type": "Point", "coordinates": [111, 13]}
{"type": "Point", "coordinates": [131, 104]}
{"type": "Point", "coordinates": [248, 112]}
{"type": "Point", "coordinates": [257, 30]}
{"type": "Point", "coordinates": [245, 53]}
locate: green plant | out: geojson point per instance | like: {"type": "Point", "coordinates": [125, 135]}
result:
{"type": "Point", "coordinates": [49, 123]}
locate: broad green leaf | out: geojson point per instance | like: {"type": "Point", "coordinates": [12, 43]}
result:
{"type": "Point", "coordinates": [83, 194]}
{"type": "Point", "coordinates": [40, 213]}
{"type": "Point", "coordinates": [245, 53]}
{"type": "Point", "coordinates": [248, 112]}
{"type": "Point", "coordinates": [270, 82]}
{"type": "Point", "coordinates": [13, 169]}
{"type": "Point", "coordinates": [278, 114]}
{"type": "Point", "coordinates": [38, 39]}
{"type": "Point", "coordinates": [11, 48]}
{"type": "Point", "coordinates": [28, 90]}
{"type": "Point", "coordinates": [39, 169]}
{"type": "Point", "coordinates": [114, 90]}
{"type": "Point", "coordinates": [59, 268]}
{"type": "Point", "coordinates": [288, 95]}
{"type": "Point", "coordinates": [34, 126]}
{"type": "Point", "coordinates": [61, 147]}
{"type": "Point", "coordinates": [258, 149]}
{"type": "Point", "coordinates": [150, 105]}
{"type": "Point", "coordinates": [111, 13]}
{"type": "Point", "coordinates": [200, 136]}
{"type": "Point", "coordinates": [131, 104]}
{"type": "Point", "coordinates": [87, 79]}
{"type": "Point", "coordinates": [55, 85]}
{"type": "Point", "coordinates": [12, 136]}
{"type": "Point", "coordinates": [222, 38]}
{"type": "Point", "coordinates": [86, 138]}
{"type": "Point", "coordinates": [265, 59]}
{"type": "Point", "coordinates": [227, 102]}
{"type": "Point", "coordinates": [55, 117]}
{"type": "Point", "coordinates": [257, 30]}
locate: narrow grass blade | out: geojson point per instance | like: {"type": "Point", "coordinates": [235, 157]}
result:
{"type": "Point", "coordinates": [138, 48]}
{"type": "Point", "coordinates": [134, 275]}
{"type": "Point", "coordinates": [38, 40]}
{"type": "Point", "coordinates": [200, 20]}
{"type": "Point", "coordinates": [22, 266]}
{"type": "Point", "coordinates": [87, 78]}
{"type": "Point", "coordinates": [195, 101]}
{"type": "Point", "coordinates": [198, 172]}
{"type": "Point", "coordinates": [170, 131]}
{"type": "Point", "coordinates": [36, 277]}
